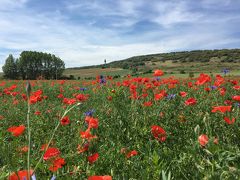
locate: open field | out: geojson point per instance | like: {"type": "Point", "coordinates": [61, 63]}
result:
{"type": "Point", "coordinates": [177, 69]}
{"type": "Point", "coordinates": [207, 67]}
{"type": "Point", "coordinates": [93, 72]}
{"type": "Point", "coordinates": [130, 128]}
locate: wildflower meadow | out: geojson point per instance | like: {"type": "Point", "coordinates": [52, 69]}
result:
{"type": "Point", "coordinates": [131, 128]}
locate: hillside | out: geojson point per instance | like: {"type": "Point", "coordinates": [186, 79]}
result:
{"type": "Point", "coordinates": [208, 61]}
{"type": "Point", "coordinates": [223, 55]}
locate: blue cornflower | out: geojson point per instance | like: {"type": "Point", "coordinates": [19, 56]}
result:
{"type": "Point", "coordinates": [158, 78]}
{"type": "Point", "coordinates": [213, 87]}
{"type": "Point", "coordinates": [53, 177]}
{"type": "Point", "coordinates": [171, 96]}
{"type": "Point", "coordinates": [34, 177]}
{"type": "Point", "coordinates": [90, 112]}
{"type": "Point", "coordinates": [225, 71]}
{"type": "Point", "coordinates": [103, 81]}
{"type": "Point", "coordinates": [83, 89]}
{"type": "Point", "coordinates": [237, 104]}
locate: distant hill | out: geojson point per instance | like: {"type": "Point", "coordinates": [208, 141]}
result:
{"type": "Point", "coordinates": [204, 56]}
{"type": "Point", "coordinates": [179, 64]}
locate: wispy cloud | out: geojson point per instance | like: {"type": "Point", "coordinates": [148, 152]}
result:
{"type": "Point", "coordinates": [11, 4]}
{"type": "Point", "coordinates": [87, 32]}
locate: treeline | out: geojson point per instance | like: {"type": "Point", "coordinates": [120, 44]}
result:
{"type": "Point", "coordinates": [33, 65]}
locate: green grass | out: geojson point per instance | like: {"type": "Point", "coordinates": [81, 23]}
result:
{"type": "Point", "coordinates": [93, 72]}
{"type": "Point", "coordinates": [171, 68]}
{"type": "Point", "coordinates": [124, 125]}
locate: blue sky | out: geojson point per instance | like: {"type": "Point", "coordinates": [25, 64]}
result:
{"type": "Point", "coordinates": [85, 32]}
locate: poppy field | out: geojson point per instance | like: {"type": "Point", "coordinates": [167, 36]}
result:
{"type": "Point", "coordinates": [131, 128]}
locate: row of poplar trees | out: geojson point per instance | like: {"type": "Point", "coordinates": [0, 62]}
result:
{"type": "Point", "coordinates": [32, 65]}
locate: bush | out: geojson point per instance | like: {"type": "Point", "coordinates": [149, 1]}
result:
{"type": "Point", "coordinates": [71, 77]}
{"type": "Point", "coordinates": [191, 74]}
{"type": "Point", "coordinates": [182, 72]}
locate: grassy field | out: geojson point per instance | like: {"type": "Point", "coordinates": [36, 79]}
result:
{"type": "Point", "coordinates": [177, 69]}
{"type": "Point", "coordinates": [93, 72]}
{"type": "Point", "coordinates": [131, 128]}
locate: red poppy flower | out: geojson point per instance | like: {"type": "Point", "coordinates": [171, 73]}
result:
{"type": "Point", "coordinates": [228, 121]}
{"type": "Point", "coordinates": [159, 133]}
{"type": "Point", "coordinates": [14, 93]}
{"type": "Point", "coordinates": [222, 91]}
{"type": "Point", "coordinates": [207, 89]}
{"type": "Point", "coordinates": [82, 97]}
{"type": "Point", "coordinates": [203, 139]}
{"type": "Point", "coordinates": [219, 80]}
{"type": "Point", "coordinates": [100, 178]}
{"type": "Point", "coordinates": [37, 113]}
{"type": "Point", "coordinates": [190, 101]}
{"type": "Point", "coordinates": [158, 72]}
{"type": "Point", "coordinates": [16, 130]}
{"type": "Point", "coordinates": [24, 149]}
{"type": "Point", "coordinates": [202, 79]}
{"type": "Point", "coordinates": [183, 94]}
{"type": "Point", "coordinates": [43, 147]}
{"type": "Point", "coordinates": [222, 109]}
{"type": "Point", "coordinates": [236, 98]}
{"type": "Point", "coordinates": [69, 101]}
{"type": "Point", "coordinates": [161, 95]}
{"type": "Point", "coordinates": [87, 135]}
{"type": "Point", "coordinates": [110, 98]}
{"type": "Point", "coordinates": [81, 149]}
{"type": "Point", "coordinates": [234, 82]}
{"type": "Point", "coordinates": [60, 96]}
{"type": "Point", "coordinates": [132, 153]}
{"type": "Point", "coordinates": [21, 175]}
{"type": "Point", "coordinates": [237, 87]}
{"type": "Point", "coordinates": [65, 120]}
{"type": "Point", "coordinates": [147, 104]}
{"type": "Point", "coordinates": [33, 99]}
{"type": "Point", "coordinates": [92, 122]}
{"type": "Point", "coordinates": [228, 102]}
{"type": "Point", "coordinates": [56, 164]}
{"type": "Point", "coordinates": [51, 152]}
{"type": "Point", "coordinates": [93, 158]}
{"type": "Point", "coordinates": [36, 96]}
{"type": "Point", "coordinates": [158, 96]}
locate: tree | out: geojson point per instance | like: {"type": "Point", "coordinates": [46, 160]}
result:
{"type": "Point", "coordinates": [33, 64]}
{"type": "Point", "coordinates": [10, 68]}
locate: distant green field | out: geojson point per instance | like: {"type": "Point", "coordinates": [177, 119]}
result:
{"type": "Point", "coordinates": [172, 69]}
{"type": "Point", "coordinates": [93, 72]}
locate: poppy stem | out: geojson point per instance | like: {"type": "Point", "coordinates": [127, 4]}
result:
{"type": "Point", "coordinates": [54, 131]}
{"type": "Point", "coordinates": [28, 89]}
{"type": "Point", "coordinates": [29, 139]}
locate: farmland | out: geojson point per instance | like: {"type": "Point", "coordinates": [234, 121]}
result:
{"type": "Point", "coordinates": [179, 64]}
{"type": "Point", "coordinates": [177, 69]}
{"type": "Point", "coordinates": [155, 127]}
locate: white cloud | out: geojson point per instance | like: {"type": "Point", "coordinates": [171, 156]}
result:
{"type": "Point", "coordinates": [214, 3]}
{"type": "Point", "coordinates": [87, 44]}
{"type": "Point", "coordinates": [171, 13]}
{"type": "Point", "coordinates": [12, 4]}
